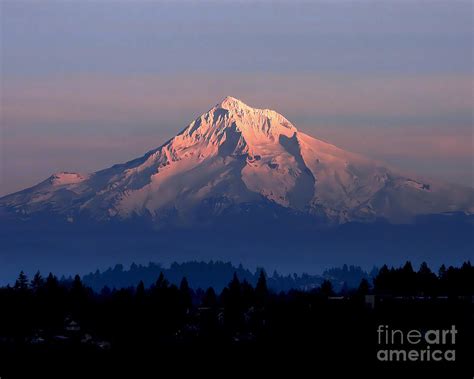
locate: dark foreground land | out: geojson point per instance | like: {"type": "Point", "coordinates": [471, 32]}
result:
{"type": "Point", "coordinates": [50, 328]}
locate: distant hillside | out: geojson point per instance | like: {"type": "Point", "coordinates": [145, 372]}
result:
{"type": "Point", "coordinates": [217, 274]}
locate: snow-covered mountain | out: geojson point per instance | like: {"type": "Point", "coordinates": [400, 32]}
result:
{"type": "Point", "coordinates": [235, 156]}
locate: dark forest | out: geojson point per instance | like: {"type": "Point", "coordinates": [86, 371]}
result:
{"type": "Point", "coordinates": [43, 317]}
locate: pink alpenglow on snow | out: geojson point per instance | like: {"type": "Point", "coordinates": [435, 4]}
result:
{"type": "Point", "coordinates": [243, 155]}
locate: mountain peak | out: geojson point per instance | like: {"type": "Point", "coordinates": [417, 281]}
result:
{"type": "Point", "coordinates": [229, 158]}
{"type": "Point", "coordinates": [230, 102]}
{"type": "Point", "coordinates": [255, 118]}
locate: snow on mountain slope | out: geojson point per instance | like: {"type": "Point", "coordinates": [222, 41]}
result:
{"type": "Point", "coordinates": [234, 155]}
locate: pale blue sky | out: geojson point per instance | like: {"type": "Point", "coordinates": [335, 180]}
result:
{"type": "Point", "coordinates": [89, 83]}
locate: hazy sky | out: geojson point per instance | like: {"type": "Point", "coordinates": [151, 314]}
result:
{"type": "Point", "coordinates": [85, 84]}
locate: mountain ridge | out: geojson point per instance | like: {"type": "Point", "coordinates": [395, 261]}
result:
{"type": "Point", "coordinates": [234, 155]}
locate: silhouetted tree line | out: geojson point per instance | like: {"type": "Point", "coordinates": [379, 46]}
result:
{"type": "Point", "coordinates": [405, 281]}
{"type": "Point", "coordinates": [348, 277]}
{"type": "Point", "coordinates": [48, 312]}
{"type": "Point", "coordinates": [214, 274]}
{"type": "Point", "coordinates": [44, 313]}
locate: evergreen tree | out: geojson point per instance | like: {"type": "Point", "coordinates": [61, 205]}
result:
{"type": "Point", "coordinates": [185, 294]}
{"type": "Point", "coordinates": [382, 282]}
{"type": "Point", "coordinates": [161, 282]}
{"type": "Point", "coordinates": [466, 279]}
{"type": "Point", "coordinates": [140, 290]}
{"type": "Point", "coordinates": [234, 286]}
{"type": "Point", "coordinates": [52, 282]}
{"type": "Point", "coordinates": [261, 288]}
{"type": "Point", "coordinates": [233, 304]}
{"type": "Point", "coordinates": [426, 280]}
{"type": "Point", "coordinates": [326, 288]}
{"type": "Point", "coordinates": [78, 294]}
{"type": "Point", "coordinates": [442, 280]}
{"type": "Point", "coordinates": [210, 298]}
{"type": "Point", "coordinates": [37, 282]}
{"type": "Point", "coordinates": [364, 287]}
{"type": "Point", "coordinates": [77, 285]}
{"type": "Point", "coordinates": [248, 294]}
{"type": "Point", "coordinates": [406, 278]}
{"type": "Point", "coordinates": [21, 283]}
